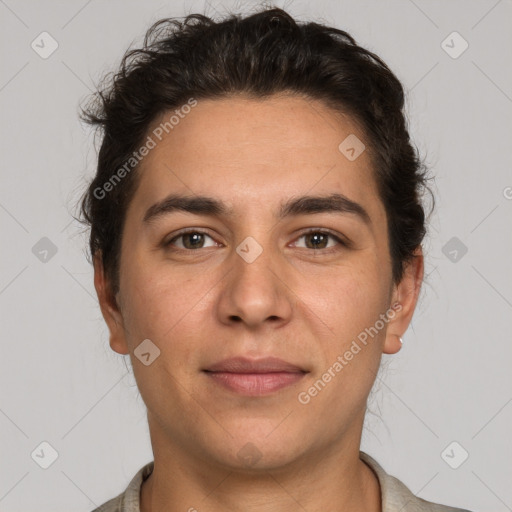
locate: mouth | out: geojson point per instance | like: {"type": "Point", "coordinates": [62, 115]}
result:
{"type": "Point", "coordinates": [254, 377]}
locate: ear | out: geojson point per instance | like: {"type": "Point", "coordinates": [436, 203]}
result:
{"type": "Point", "coordinates": [406, 294]}
{"type": "Point", "coordinates": [109, 308]}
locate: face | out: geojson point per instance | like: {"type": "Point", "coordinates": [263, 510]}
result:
{"type": "Point", "coordinates": [264, 271]}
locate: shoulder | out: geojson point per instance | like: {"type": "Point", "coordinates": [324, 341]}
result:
{"type": "Point", "coordinates": [113, 505]}
{"type": "Point", "coordinates": [128, 500]}
{"type": "Point", "coordinates": [396, 496]}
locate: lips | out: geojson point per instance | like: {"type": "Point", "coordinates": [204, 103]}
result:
{"type": "Point", "coordinates": [254, 377]}
{"type": "Point", "coordinates": [245, 365]}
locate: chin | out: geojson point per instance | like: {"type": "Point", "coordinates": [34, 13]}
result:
{"type": "Point", "coordinates": [256, 447]}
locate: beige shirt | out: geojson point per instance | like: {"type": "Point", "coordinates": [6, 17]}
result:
{"type": "Point", "coordinates": [395, 496]}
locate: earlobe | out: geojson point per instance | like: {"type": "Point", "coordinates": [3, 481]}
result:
{"type": "Point", "coordinates": [392, 344]}
{"type": "Point", "coordinates": [109, 308]}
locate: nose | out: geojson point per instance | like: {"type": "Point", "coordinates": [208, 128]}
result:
{"type": "Point", "coordinates": [255, 292]}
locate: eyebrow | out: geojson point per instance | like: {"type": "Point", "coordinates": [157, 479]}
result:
{"type": "Point", "coordinates": [304, 205]}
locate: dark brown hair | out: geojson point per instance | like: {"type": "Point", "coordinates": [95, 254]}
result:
{"type": "Point", "coordinates": [257, 55]}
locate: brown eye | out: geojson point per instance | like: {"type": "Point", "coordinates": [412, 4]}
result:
{"type": "Point", "coordinates": [190, 240]}
{"type": "Point", "coordinates": [317, 239]}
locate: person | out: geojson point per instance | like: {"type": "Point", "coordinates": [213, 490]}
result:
{"type": "Point", "coordinates": [256, 227]}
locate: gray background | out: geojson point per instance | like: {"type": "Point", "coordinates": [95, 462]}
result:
{"type": "Point", "coordinates": [61, 383]}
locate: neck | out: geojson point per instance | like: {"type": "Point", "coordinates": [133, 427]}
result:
{"type": "Point", "coordinates": [334, 480]}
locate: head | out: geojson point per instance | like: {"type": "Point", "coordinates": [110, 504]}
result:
{"type": "Point", "coordinates": [257, 194]}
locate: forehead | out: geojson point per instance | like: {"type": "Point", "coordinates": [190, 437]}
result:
{"type": "Point", "coordinates": [252, 152]}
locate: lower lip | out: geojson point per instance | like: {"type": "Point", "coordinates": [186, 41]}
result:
{"type": "Point", "coordinates": [256, 384]}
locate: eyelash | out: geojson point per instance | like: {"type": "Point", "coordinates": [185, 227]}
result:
{"type": "Point", "coordinates": [341, 241]}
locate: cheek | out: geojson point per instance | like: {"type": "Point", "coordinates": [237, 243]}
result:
{"type": "Point", "coordinates": [165, 306]}
{"type": "Point", "coordinates": [346, 299]}
{"type": "Point", "coordinates": [166, 311]}
{"type": "Point", "coordinates": [350, 303]}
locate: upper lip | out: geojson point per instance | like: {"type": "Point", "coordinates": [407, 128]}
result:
{"type": "Point", "coordinates": [246, 365]}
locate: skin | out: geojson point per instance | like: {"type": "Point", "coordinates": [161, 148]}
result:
{"type": "Point", "coordinates": [295, 302]}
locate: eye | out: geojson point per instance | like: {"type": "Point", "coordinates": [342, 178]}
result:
{"type": "Point", "coordinates": [318, 239]}
{"type": "Point", "coordinates": [190, 240]}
